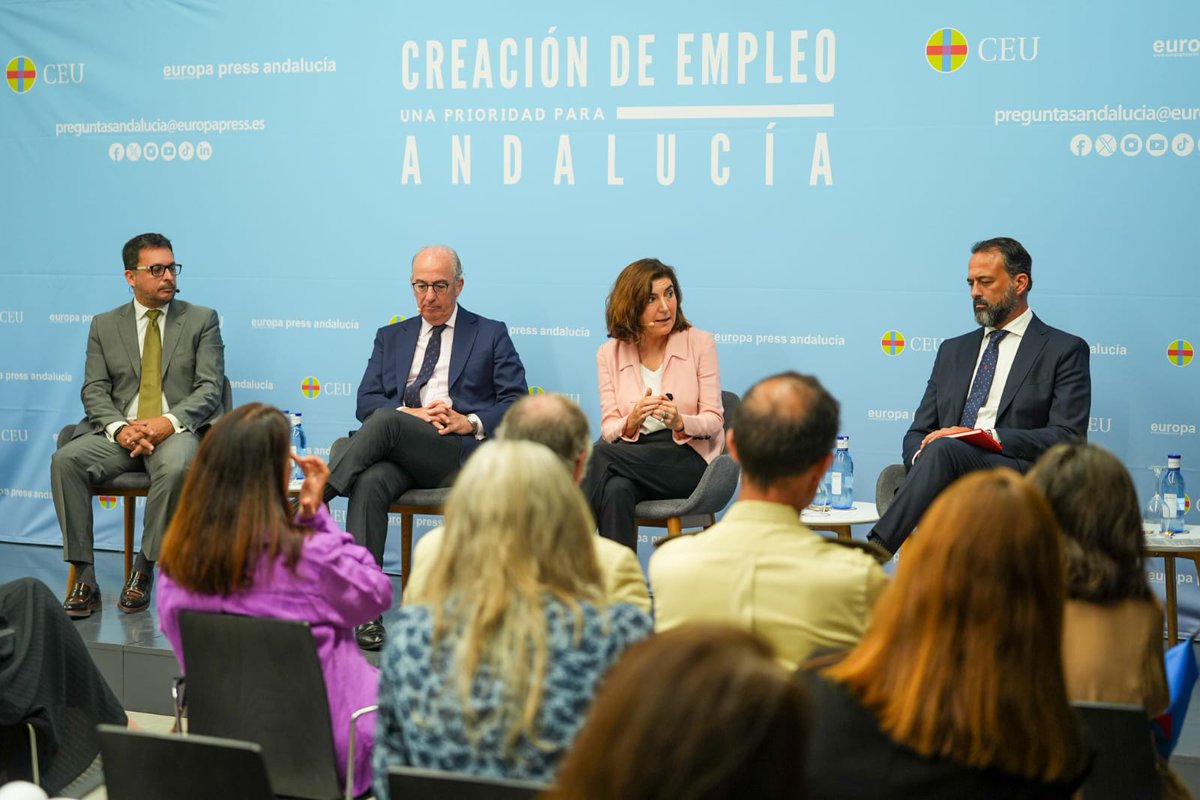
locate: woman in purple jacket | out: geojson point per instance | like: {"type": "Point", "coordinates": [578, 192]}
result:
{"type": "Point", "coordinates": [234, 547]}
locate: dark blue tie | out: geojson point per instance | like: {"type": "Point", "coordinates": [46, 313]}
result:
{"type": "Point", "coordinates": [983, 379]}
{"type": "Point", "coordinates": [412, 395]}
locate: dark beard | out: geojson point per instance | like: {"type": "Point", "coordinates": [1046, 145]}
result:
{"type": "Point", "coordinates": [994, 314]}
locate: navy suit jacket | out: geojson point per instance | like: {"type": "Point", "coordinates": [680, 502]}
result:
{"type": "Point", "coordinates": [1047, 398]}
{"type": "Point", "coordinates": [486, 374]}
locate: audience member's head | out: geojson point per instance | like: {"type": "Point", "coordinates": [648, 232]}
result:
{"type": "Point", "coordinates": [783, 432]}
{"type": "Point", "coordinates": [963, 658]}
{"type": "Point", "coordinates": [234, 506]}
{"type": "Point", "coordinates": [517, 527]}
{"type": "Point", "coordinates": [701, 712]}
{"type": "Point", "coordinates": [1093, 497]}
{"type": "Point", "coordinates": [554, 421]}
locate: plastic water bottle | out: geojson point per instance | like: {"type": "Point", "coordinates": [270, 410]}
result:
{"type": "Point", "coordinates": [841, 475]}
{"type": "Point", "coordinates": [1172, 491]}
{"type": "Point", "coordinates": [299, 443]}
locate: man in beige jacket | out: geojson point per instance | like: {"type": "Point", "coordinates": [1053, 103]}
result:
{"type": "Point", "coordinates": [759, 567]}
{"type": "Point", "coordinates": [558, 423]}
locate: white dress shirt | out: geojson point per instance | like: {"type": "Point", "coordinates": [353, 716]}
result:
{"type": "Point", "coordinates": [1005, 355]}
{"type": "Point", "coordinates": [438, 387]}
{"type": "Point", "coordinates": [143, 322]}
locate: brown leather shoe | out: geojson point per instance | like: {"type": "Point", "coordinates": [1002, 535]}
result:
{"type": "Point", "coordinates": [136, 594]}
{"type": "Point", "coordinates": [82, 602]}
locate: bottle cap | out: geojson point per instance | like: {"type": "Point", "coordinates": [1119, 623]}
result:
{"type": "Point", "coordinates": [843, 443]}
{"type": "Point", "coordinates": [1173, 461]}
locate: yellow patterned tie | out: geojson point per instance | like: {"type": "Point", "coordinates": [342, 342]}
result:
{"type": "Point", "coordinates": [150, 390]}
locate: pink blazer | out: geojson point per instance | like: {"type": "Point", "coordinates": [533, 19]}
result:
{"type": "Point", "coordinates": [690, 374]}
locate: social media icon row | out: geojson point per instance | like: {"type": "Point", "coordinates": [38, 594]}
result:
{"type": "Point", "coordinates": [1156, 144]}
{"type": "Point", "coordinates": [153, 151]}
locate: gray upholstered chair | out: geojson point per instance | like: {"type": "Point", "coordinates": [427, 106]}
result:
{"type": "Point", "coordinates": [886, 485]}
{"type": "Point", "coordinates": [711, 495]}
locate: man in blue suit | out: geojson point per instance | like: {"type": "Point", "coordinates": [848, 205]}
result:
{"type": "Point", "coordinates": [434, 388]}
{"type": "Point", "coordinates": [1025, 385]}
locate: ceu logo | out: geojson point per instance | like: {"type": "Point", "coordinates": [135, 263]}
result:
{"type": "Point", "coordinates": [536, 390]}
{"type": "Point", "coordinates": [1180, 352]}
{"type": "Point", "coordinates": [14, 434]}
{"type": "Point", "coordinates": [892, 343]}
{"type": "Point", "coordinates": [21, 74]}
{"type": "Point", "coordinates": [395, 318]}
{"type": "Point", "coordinates": [311, 387]}
{"type": "Point", "coordinates": [946, 50]}
{"type": "Point", "coordinates": [107, 501]}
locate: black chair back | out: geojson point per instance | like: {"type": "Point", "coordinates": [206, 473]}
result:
{"type": "Point", "coordinates": [410, 783]}
{"type": "Point", "coordinates": [1123, 759]}
{"type": "Point", "coordinates": [140, 765]}
{"type": "Point", "coordinates": [258, 680]}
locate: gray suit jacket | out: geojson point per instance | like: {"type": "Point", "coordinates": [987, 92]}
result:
{"type": "Point", "coordinates": [193, 364]}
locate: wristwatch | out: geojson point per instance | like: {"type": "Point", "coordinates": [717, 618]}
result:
{"type": "Point", "coordinates": [474, 420]}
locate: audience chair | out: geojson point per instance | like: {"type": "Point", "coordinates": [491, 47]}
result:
{"type": "Point", "coordinates": [411, 783]}
{"type": "Point", "coordinates": [886, 486]}
{"type": "Point", "coordinates": [130, 486]}
{"type": "Point", "coordinates": [1123, 763]}
{"type": "Point", "coordinates": [258, 679]}
{"type": "Point", "coordinates": [142, 766]}
{"type": "Point", "coordinates": [407, 505]}
{"type": "Point", "coordinates": [710, 496]}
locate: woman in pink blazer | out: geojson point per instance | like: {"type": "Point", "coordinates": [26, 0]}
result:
{"type": "Point", "coordinates": [660, 400]}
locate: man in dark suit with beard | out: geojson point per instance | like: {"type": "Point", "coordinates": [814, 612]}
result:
{"type": "Point", "coordinates": [1025, 385]}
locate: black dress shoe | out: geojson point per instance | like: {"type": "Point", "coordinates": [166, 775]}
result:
{"type": "Point", "coordinates": [82, 602]}
{"type": "Point", "coordinates": [370, 635]}
{"type": "Point", "coordinates": [136, 594]}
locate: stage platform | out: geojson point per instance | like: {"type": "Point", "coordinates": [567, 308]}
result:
{"type": "Point", "coordinates": [129, 649]}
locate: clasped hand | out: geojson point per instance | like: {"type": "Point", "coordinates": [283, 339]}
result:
{"type": "Point", "coordinates": [140, 436]}
{"type": "Point", "coordinates": [442, 416]}
{"type": "Point", "coordinates": [660, 406]}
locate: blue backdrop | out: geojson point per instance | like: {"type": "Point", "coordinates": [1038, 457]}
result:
{"type": "Point", "coordinates": [815, 170]}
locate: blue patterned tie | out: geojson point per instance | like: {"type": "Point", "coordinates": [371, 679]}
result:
{"type": "Point", "coordinates": [412, 395]}
{"type": "Point", "coordinates": [983, 379]}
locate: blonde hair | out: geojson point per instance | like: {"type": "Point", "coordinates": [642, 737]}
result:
{"type": "Point", "coordinates": [517, 529]}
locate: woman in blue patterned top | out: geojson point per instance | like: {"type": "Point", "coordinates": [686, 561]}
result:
{"type": "Point", "coordinates": [493, 666]}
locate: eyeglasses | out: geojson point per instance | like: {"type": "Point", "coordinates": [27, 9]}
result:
{"type": "Point", "coordinates": [157, 269]}
{"type": "Point", "coordinates": [439, 287]}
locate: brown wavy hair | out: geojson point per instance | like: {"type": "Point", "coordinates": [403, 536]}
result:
{"type": "Point", "coordinates": [702, 712]}
{"type": "Point", "coordinates": [1092, 495]}
{"type": "Point", "coordinates": [963, 658]}
{"type": "Point", "coordinates": [234, 507]}
{"type": "Point", "coordinates": [630, 294]}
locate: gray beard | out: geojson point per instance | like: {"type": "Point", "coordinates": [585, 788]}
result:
{"type": "Point", "coordinates": [994, 314]}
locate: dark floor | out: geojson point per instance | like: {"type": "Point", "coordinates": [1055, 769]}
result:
{"type": "Point", "coordinates": [137, 659]}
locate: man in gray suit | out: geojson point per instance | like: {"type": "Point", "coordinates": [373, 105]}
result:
{"type": "Point", "coordinates": [152, 383]}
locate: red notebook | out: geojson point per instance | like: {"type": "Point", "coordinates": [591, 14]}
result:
{"type": "Point", "coordinates": [979, 438]}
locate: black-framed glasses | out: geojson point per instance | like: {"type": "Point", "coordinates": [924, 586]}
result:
{"type": "Point", "coordinates": [157, 269]}
{"type": "Point", "coordinates": [439, 287]}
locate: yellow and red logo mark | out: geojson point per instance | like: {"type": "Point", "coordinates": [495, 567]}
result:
{"type": "Point", "coordinates": [311, 387]}
{"type": "Point", "coordinates": [1187, 504]}
{"type": "Point", "coordinates": [536, 390]}
{"type": "Point", "coordinates": [107, 501]}
{"type": "Point", "coordinates": [946, 50]}
{"type": "Point", "coordinates": [21, 74]}
{"type": "Point", "coordinates": [1180, 352]}
{"type": "Point", "coordinates": [892, 343]}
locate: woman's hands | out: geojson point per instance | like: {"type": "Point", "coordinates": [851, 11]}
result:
{"type": "Point", "coordinates": [661, 406]}
{"type": "Point", "coordinates": [312, 490]}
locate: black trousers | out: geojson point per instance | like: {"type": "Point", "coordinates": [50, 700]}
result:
{"type": "Point", "coordinates": [621, 474]}
{"type": "Point", "coordinates": [391, 453]}
{"type": "Point", "coordinates": [942, 462]}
